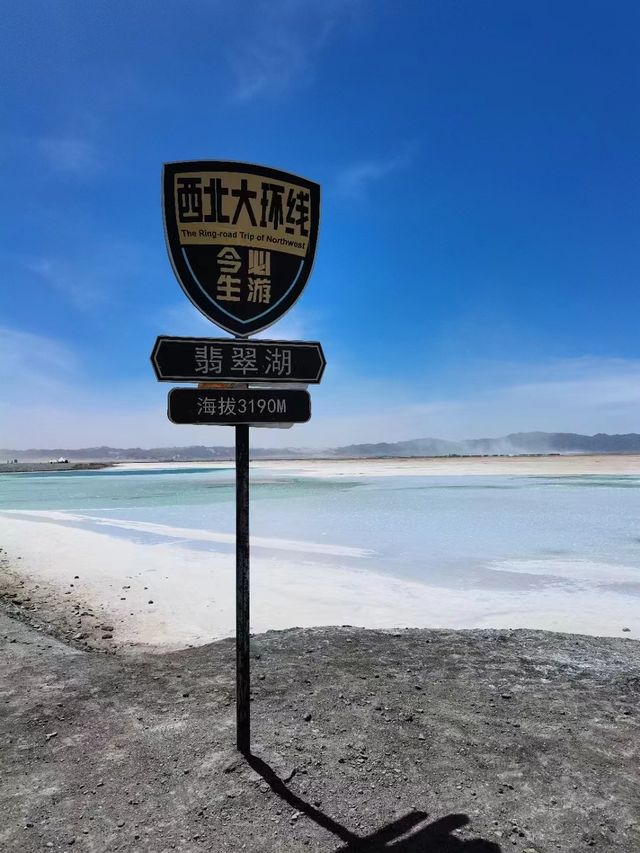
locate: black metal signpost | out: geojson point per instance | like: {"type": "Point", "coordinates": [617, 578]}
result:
{"type": "Point", "coordinates": [241, 239]}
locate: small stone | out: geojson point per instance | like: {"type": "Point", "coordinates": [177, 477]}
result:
{"type": "Point", "coordinates": [150, 601]}
{"type": "Point", "coordinates": [506, 696]}
{"type": "Point", "coordinates": [626, 629]}
{"type": "Point", "coordinates": [121, 823]}
{"type": "Point", "coordinates": [420, 737]}
{"type": "Point", "coordinates": [307, 718]}
{"type": "Point", "coordinates": [185, 695]}
{"type": "Point", "coordinates": [107, 636]}
{"type": "Point", "coordinates": [51, 734]}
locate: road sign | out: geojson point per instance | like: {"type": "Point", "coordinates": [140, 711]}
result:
{"type": "Point", "coordinates": [228, 360]}
{"type": "Point", "coordinates": [234, 406]}
{"type": "Point", "coordinates": [241, 239]}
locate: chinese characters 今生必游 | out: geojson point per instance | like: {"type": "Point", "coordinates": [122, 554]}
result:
{"type": "Point", "coordinates": [236, 283]}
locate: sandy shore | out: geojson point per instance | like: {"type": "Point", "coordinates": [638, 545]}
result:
{"type": "Point", "coordinates": [543, 466]}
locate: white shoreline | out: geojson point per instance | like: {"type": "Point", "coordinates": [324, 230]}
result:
{"type": "Point", "coordinates": [545, 466]}
{"type": "Point", "coordinates": [193, 590]}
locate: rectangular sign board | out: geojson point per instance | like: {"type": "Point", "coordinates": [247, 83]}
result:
{"type": "Point", "coordinates": [228, 360]}
{"type": "Point", "coordinates": [234, 406]}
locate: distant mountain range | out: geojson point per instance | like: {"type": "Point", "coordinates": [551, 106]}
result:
{"type": "Point", "coordinates": [519, 443]}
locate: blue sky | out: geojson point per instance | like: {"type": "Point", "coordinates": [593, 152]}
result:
{"type": "Point", "coordinates": [477, 269]}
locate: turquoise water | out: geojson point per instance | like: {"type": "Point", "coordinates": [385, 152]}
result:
{"type": "Point", "coordinates": [453, 530]}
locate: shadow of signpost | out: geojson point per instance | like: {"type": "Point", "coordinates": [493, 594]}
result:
{"type": "Point", "coordinates": [405, 835]}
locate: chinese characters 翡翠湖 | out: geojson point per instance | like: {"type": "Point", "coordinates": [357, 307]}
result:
{"type": "Point", "coordinates": [244, 360]}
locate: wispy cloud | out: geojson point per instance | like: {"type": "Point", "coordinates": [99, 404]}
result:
{"type": "Point", "coordinates": [355, 179]}
{"type": "Point", "coordinates": [184, 320]}
{"type": "Point", "coordinates": [68, 283]}
{"type": "Point", "coordinates": [281, 42]}
{"type": "Point", "coordinates": [71, 155]}
{"type": "Point", "coordinates": [585, 395]}
{"type": "Point", "coordinates": [33, 367]}
{"type": "Point", "coordinates": [49, 400]}
{"type": "Point", "coordinates": [88, 274]}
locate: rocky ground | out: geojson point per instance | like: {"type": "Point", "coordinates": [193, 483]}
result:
{"type": "Point", "coordinates": [430, 741]}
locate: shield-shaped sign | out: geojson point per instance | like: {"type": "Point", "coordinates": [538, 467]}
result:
{"type": "Point", "coordinates": [241, 239]}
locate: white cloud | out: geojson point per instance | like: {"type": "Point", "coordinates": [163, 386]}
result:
{"type": "Point", "coordinates": [79, 288]}
{"type": "Point", "coordinates": [584, 395]}
{"type": "Point", "coordinates": [353, 180]}
{"type": "Point", "coordinates": [50, 401]}
{"type": "Point", "coordinates": [277, 48]}
{"type": "Point", "coordinates": [71, 155]}
{"type": "Point", "coordinates": [182, 319]}
{"type": "Point", "coordinates": [33, 368]}
{"type": "Point", "coordinates": [87, 273]}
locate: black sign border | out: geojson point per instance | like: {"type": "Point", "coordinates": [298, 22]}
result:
{"type": "Point", "coordinates": [273, 380]}
{"type": "Point", "coordinates": [180, 268]}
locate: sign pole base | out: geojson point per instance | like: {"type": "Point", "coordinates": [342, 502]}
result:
{"type": "Point", "coordinates": [243, 684]}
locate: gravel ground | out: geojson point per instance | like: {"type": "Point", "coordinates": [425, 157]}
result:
{"type": "Point", "coordinates": [430, 741]}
